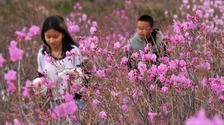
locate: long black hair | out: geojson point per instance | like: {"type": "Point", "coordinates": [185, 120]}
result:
{"type": "Point", "coordinates": [57, 23]}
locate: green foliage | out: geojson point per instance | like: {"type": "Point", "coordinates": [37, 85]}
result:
{"type": "Point", "coordinates": [65, 7]}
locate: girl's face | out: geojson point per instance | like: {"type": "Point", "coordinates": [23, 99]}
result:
{"type": "Point", "coordinates": [53, 39]}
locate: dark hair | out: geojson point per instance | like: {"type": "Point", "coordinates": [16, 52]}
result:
{"type": "Point", "coordinates": [57, 23]}
{"type": "Point", "coordinates": [147, 18]}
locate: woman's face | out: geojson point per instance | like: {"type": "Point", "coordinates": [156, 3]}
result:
{"type": "Point", "coordinates": [53, 39]}
{"type": "Point", "coordinates": [143, 29]}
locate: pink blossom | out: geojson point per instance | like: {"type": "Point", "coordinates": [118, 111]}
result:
{"type": "Point", "coordinates": [142, 67]}
{"type": "Point", "coordinates": [150, 57]}
{"type": "Point", "coordinates": [34, 30]}
{"type": "Point", "coordinates": [10, 76]}
{"type": "Point", "coordinates": [93, 30]}
{"type": "Point", "coordinates": [128, 1]}
{"type": "Point", "coordinates": [73, 119]}
{"type": "Point", "coordinates": [11, 87]}
{"type": "Point", "coordinates": [198, 14]}
{"type": "Point", "coordinates": [15, 53]}
{"type": "Point", "coordinates": [26, 92]}
{"type": "Point", "coordinates": [84, 17]}
{"type": "Point", "coordinates": [162, 69]}
{"type": "Point", "coordinates": [124, 60]}
{"type": "Point", "coordinates": [147, 47]}
{"type": "Point", "coordinates": [153, 70]}
{"type": "Point", "coordinates": [152, 115]}
{"type": "Point", "coordinates": [68, 97]}
{"type": "Point", "coordinates": [164, 89]}
{"type": "Point", "coordinates": [208, 53]}
{"type": "Point", "coordinates": [151, 87]}
{"type": "Point", "coordinates": [165, 60]}
{"type": "Point", "coordinates": [189, 17]}
{"type": "Point", "coordinates": [134, 55]}
{"type": "Point", "coordinates": [74, 52]}
{"type": "Point", "coordinates": [17, 122]}
{"type": "Point", "coordinates": [73, 28]}
{"type": "Point", "coordinates": [70, 107]}
{"type": "Point", "coordinates": [21, 35]}
{"type": "Point", "coordinates": [182, 63]}
{"type": "Point", "coordinates": [94, 24]}
{"type": "Point", "coordinates": [101, 73]}
{"type": "Point", "coordinates": [204, 82]}
{"type": "Point", "coordinates": [53, 116]}
{"type": "Point", "coordinates": [75, 87]}
{"type": "Point", "coordinates": [179, 38]}
{"type": "Point", "coordinates": [59, 110]}
{"type": "Point", "coordinates": [201, 119]}
{"type": "Point", "coordinates": [126, 48]}
{"type": "Point", "coordinates": [96, 102]}
{"type": "Point", "coordinates": [124, 108]}
{"type": "Point", "coordinates": [50, 84]}
{"type": "Point", "coordinates": [132, 75]}
{"type": "Point", "coordinates": [2, 60]}
{"type": "Point", "coordinates": [103, 115]}
{"type": "Point", "coordinates": [117, 45]}
{"type": "Point", "coordinates": [173, 64]}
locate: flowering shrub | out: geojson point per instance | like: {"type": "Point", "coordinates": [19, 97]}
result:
{"type": "Point", "coordinates": [170, 92]}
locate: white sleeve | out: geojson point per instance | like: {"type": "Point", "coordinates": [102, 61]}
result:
{"type": "Point", "coordinates": [77, 59]}
{"type": "Point", "coordinates": [40, 61]}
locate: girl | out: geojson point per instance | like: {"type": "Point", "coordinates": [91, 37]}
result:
{"type": "Point", "coordinates": [58, 60]}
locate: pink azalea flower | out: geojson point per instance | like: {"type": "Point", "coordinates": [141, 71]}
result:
{"type": "Point", "coordinates": [10, 76]}
{"type": "Point", "coordinates": [73, 28]}
{"type": "Point", "coordinates": [103, 115]}
{"type": "Point", "coordinates": [101, 73]}
{"type": "Point", "coordinates": [164, 89]}
{"type": "Point", "coordinates": [74, 52]}
{"type": "Point", "coordinates": [162, 69]}
{"type": "Point", "coordinates": [50, 84]}
{"type": "Point", "coordinates": [124, 108]}
{"type": "Point", "coordinates": [2, 60]}
{"type": "Point", "coordinates": [26, 92]}
{"type": "Point", "coordinates": [21, 35]}
{"type": "Point", "coordinates": [142, 68]}
{"type": "Point", "coordinates": [84, 17]}
{"type": "Point", "coordinates": [73, 119]}
{"type": "Point", "coordinates": [34, 31]}
{"type": "Point", "coordinates": [59, 110]}
{"type": "Point", "coordinates": [53, 116]}
{"type": "Point", "coordinates": [199, 119]}
{"type": "Point", "coordinates": [132, 75]}
{"type": "Point", "coordinates": [96, 102]}
{"type": "Point", "coordinates": [70, 107]}
{"type": "Point", "coordinates": [93, 30]}
{"type": "Point", "coordinates": [124, 60]}
{"type": "Point", "coordinates": [198, 14]}
{"type": "Point", "coordinates": [17, 122]}
{"type": "Point", "coordinates": [68, 97]}
{"type": "Point", "coordinates": [134, 55]}
{"type": "Point", "coordinates": [128, 1]}
{"type": "Point", "coordinates": [126, 48]}
{"type": "Point", "coordinates": [11, 87]}
{"type": "Point", "coordinates": [15, 53]}
{"type": "Point", "coordinates": [173, 64]}
{"type": "Point", "coordinates": [150, 57]}
{"type": "Point", "coordinates": [117, 45]}
{"type": "Point", "coordinates": [94, 23]}
{"type": "Point", "coordinates": [75, 87]}
{"type": "Point", "coordinates": [152, 115]}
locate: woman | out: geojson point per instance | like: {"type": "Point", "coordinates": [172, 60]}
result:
{"type": "Point", "coordinates": [59, 59]}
